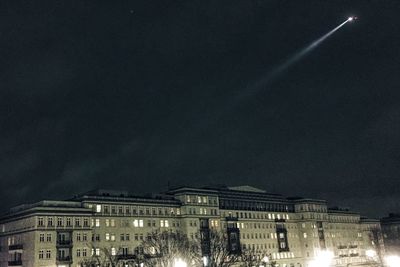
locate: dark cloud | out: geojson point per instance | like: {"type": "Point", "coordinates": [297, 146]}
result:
{"type": "Point", "coordinates": [141, 94]}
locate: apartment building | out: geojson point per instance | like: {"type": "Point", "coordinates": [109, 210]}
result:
{"type": "Point", "coordinates": [391, 233]}
{"type": "Point", "coordinates": [289, 231]}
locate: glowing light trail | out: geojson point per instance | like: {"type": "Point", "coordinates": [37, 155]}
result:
{"type": "Point", "coordinates": [254, 88]}
{"type": "Point", "coordinates": [297, 56]}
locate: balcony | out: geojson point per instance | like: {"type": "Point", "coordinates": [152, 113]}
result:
{"type": "Point", "coordinates": [354, 255]}
{"type": "Point", "coordinates": [15, 263]}
{"type": "Point", "coordinates": [286, 249]}
{"type": "Point", "coordinates": [342, 247]}
{"type": "Point", "coordinates": [64, 243]}
{"type": "Point", "coordinates": [126, 257]}
{"type": "Point", "coordinates": [353, 246]}
{"type": "Point", "coordinates": [64, 260]}
{"type": "Point", "coordinates": [280, 220]}
{"type": "Point", "coordinates": [15, 247]}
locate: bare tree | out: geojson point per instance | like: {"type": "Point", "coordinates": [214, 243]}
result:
{"type": "Point", "coordinates": [107, 257]}
{"type": "Point", "coordinates": [164, 248]}
{"type": "Point", "coordinates": [220, 252]}
{"type": "Point", "coordinates": [250, 258]}
{"type": "Point", "coordinates": [376, 238]}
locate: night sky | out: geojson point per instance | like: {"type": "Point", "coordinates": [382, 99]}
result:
{"type": "Point", "coordinates": [137, 95]}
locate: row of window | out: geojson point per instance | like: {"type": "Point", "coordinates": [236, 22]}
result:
{"type": "Point", "coordinates": [242, 225]}
{"type": "Point", "coordinates": [312, 208]}
{"type": "Point", "coordinates": [251, 215]}
{"type": "Point", "coordinates": [62, 221]}
{"type": "Point", "coordinates": [202, 211]}
{"type": "Point", "coordinates": [347, 219]}
{"type": "Point", "coordinates": [261, 236]}
{"type": "Point", "coordinates": [204, 200]}
{"type": "Point", "coordinates": [135, 210]}
{"type": "Point", "coordinates": [137, 223]}
{"type": "Point", "coordinates": [256, 206]}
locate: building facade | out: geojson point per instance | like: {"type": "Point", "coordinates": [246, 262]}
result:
{"type": "Point", "coordinates": [288, 231]}
{"type": "Point", "coordinates": [391, 233]}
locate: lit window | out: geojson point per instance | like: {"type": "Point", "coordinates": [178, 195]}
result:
{"type": "Point", "coordinates": [97, 252]}
{"type": "Point", "coordinates": [164, 223]}
{"type": "Point", "coordinates": [112, 237]}
{"type": "Point", "coordinates": [97, 222]}
{"type": "Point", "coordinates": [113, 251]}
{"type": "Point", "coordinates": [305, 235]}
{"type": "Point", "coordinates": [98, 208]}
{"type": "Point", "coordinates": [107, 236]}
{"type": "Point", "coordinates": [137, 223]}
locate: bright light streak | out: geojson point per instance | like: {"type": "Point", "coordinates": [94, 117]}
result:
{"type": "Point", "coordinates": [253, 88]}
{"type": "Point", "coordinates": [370, 253]}
{"type": "Point", "coordinates": [273, 74]}
{"type": "Point", "coordinates": [323, 259]}
{"type": "Point", "coordinates": [205, 261]}
{"type": "Point", "coordinates": [350, 18]}
{"type": "Point", "coordinates": [392, 261]}
{"type": "Point", "coordinates": [180, 263]}
{"type": "Point", "coordinates": [304, 51]}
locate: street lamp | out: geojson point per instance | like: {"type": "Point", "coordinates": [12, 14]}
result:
{"type": "Point", "coordinates": [392, 261]}
{"type": "Point", "coordinates": [180, 263]}
{"type": "Point", "coordinates": [370, 253]}
{"type": "Point", "coordinates": [264, 261]}
{"type": "Point", "coordinates": [323, 259]}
